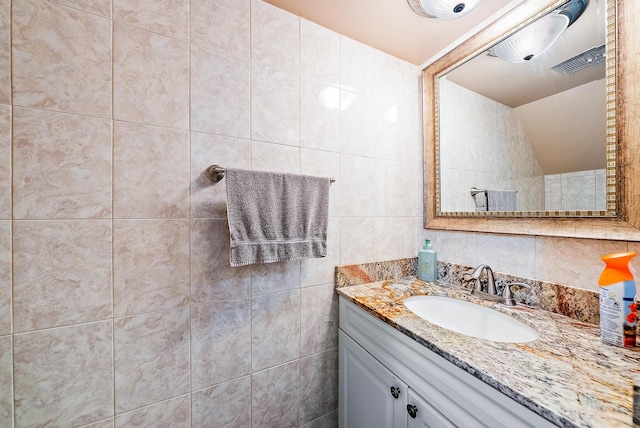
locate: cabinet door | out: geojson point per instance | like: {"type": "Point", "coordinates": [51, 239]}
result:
{"type": "Point", "coordinates": [370, 395]}
{"type": "Point", "coordinates": [422, 415]}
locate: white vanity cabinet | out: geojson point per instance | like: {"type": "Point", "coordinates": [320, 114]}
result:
{"type": "Point", "coordinates": [375, 357]}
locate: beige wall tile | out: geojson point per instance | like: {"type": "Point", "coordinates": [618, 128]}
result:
{"type": "Point", "coordinates": [64, 376]}
{"type": "Point", "coordinates": [209, 200]}
{"type": "Point", "coordinates": [322, 270]}
{"type": "Point", "coordinates": [151, 78]}
{"type": "Point", "coordinates": [223, 25]}
{"type": "Point", "coordinates": [573, 262]}
{"type": "Point", "coordinates": [5, 48]}
{"type": "Point", "coordinates": [6, 381]}
{"type": "Point", "coordinates": [357, 175]}
{"type": "Point", "coordinates": [99, 7]}
{"type": "Point", "coordinates": [169, 18]}
{"type": "Point", "coordinates": [275, 329]}
{"type": "Point", "coordinates": [275, 157]}
{"type": "Point", "coordinates": [61, 58]}
{"type": "Point", "coordinates": [150, 172]}
{"type": "Point", "coordinates": [356, 245]}
{"type": "Point", "coordinates": [62, 273]}
{"type": "Point", "coordinates": [276, 396]}
{"type": "Point", "coordinates": [5, 278]}
{"type": "Point", "coordinates": [151, 358]}
{"type": "Point", "coordinates": [319, 53]}
{"type": "Point", "coordinates": [635, 262]}
{"type": "Point", "coordinates": [174, 413]}
{"type": "Point", "coordinates": [274, 277]}
{"type": "Point", "coordinates": [329, 420]}
{"type": "Point", "coordinates": [220, 342]}
{"type": "Point", "coordinates": [318, 319]}
{"type": "Point", "coordinates": [514, 255]}
{"type": "Point", "coordinates": [224, 405]}
{"type": "Point", "coordinates": [318, 385]}
{"type": "Point", "coordinates": [220, 92]}
{"type": "Point", "coordinates": [319, 116]}
{"type": "Point", "coordinates": [212, 278]}
{"type": "Point", "coordinates": [61, 165]}
{"type": "Point", "coordinates": [275, 38]}
{"type": "Point", "coordinates": [5, 162]}
{"type": "Point", "coordinates": [151, 265]}
{"type": "Point", "coordinates": [105, 423]}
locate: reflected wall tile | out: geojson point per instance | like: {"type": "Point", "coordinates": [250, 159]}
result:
{"type": "Point", "coordinates": [151, 265]}
{"type": "Point", "coordinates": [209, 200]}
{"type": "Point", "coordinates": [5, 47]}
{"type": "Point", "coordinates": [64, 376]}
{"type": "Point", "coordinates": [319, 319]}
{"type": "Point", "coordinates": [98, 7]}
{"type": "Point", "coordinates": [6, 382]}
{"type": "Point", "coordinates": [174, 413]}
{"type": "Point", "coordinates": [5, 278]}
{"type": "Point", "coordinates": [150, 172]}
{"type": "Point", "coordinates": [327, 421]}
{"type": "Point", "coordinates": [224, 405]}
{"type": "Point", "coordinates": [356, 67]}
{"type": "Point", "coordinates": [275, 38]}
{"type": "Point", "coordinates": [220, 342]}
{"type": "Point", "coordinates": [273, 277]}
{"type": "Point", "coordinates": [514, 255]}
{"type": "Point", "coordinates": [321, 271]}
{"type": "Point", "coordinates": [5, 162]}
{"type": "Point", "coordinates": [223, 25]}
{"type": "Point", "coordinates": [61, 165]}
{"type": "Point", "coordinates": [318, 385]}
{"type": "Point", "coordinates": [556, 260]}
{"type": "Point", "coordinates": [357, 240]}
{"type": "Point", "coordinates": [220, 92]}
{"type": "Point", "coordinates": [169, 18]}
{"type": "Point", "coordinates": [276, 396]}
{"type": "Point", "coordinates": [319, 53]}
{"type": "Point", "coordinates": [62, 273]}
{"type": "Point", "coordinates": [61, 58]}
{"type": "Point", "coordinates": [275, 157]}
{"type": "Point", "coordinates": [319, 116]}
{"type": "Point", "coordinates": [151, 78]}
{"type": "Point", "coordinates": [151, 358]}
{"type": "Point", "coordinates": [357, 195]}
{"type": "Point", "coordinates": [212, 278]}
{"type": "Point", "coordinates": [275, 332]}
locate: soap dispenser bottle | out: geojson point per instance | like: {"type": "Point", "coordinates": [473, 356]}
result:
{"type": "Point", "coordinates": [618, 315]}
{"type": "Point", "coordinates": [427, 263]}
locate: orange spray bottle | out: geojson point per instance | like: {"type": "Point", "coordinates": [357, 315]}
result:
{"type": "Point", "coordinates": [618, 314]}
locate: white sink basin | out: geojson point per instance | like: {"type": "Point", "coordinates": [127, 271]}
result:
{"type": "Point", "coordinates": [468, 318]}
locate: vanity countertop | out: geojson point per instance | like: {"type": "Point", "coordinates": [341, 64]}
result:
{"type": "Point", "coordinates": [567, 375]}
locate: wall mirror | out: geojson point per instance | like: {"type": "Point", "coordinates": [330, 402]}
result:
{"type": "Point", "coordinates": [534, 139]}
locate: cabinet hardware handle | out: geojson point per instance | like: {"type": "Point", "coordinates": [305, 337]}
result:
{"type": "Point", "coordinates": [395, 392]}
{"type": "Point", "coordinates": [413, 410]}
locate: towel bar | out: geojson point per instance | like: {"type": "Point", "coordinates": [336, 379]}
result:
{"type": "Point", "coordinates": [215, 173]}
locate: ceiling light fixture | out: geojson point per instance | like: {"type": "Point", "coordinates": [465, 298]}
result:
{"type": "Point", "coordinates": [443, 9]}
{"type": "Point", "coordinates": [534, 39]}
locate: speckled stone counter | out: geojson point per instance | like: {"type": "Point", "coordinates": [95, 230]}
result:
{"type": "Point", "coordinates": [567, 375]}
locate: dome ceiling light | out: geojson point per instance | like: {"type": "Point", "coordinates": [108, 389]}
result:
{"type": "Point", "coordinates": [443, 9]}
{"type": "Point", "coordinates": [534, 39]}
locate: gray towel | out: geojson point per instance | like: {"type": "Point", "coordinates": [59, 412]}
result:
{"type": "Point", "coordinates": [501, 200]}
{"type": "Point", "coordinates": [275, 216]}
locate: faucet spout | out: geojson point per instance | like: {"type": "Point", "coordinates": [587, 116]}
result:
{"type": "Point", "coordinates": [491, 284]}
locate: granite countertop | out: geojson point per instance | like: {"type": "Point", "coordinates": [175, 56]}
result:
{"type": "Point", "coordinates": [567, 375]}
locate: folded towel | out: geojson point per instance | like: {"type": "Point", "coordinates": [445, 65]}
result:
{"type": "Point", "coordinates": [275, 216]}
{"type": "Point", "coordinates": [501, 200]}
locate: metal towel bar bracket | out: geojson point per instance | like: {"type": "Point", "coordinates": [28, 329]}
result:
{"type": "Point", "coordinates": [215, 173]}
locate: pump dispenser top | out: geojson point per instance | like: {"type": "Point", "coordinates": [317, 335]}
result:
{"type": "Point", "coordinates": [616, 269]}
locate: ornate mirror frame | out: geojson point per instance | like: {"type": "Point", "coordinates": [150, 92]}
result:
{"type": "Point", "coordinates": [624, 152]}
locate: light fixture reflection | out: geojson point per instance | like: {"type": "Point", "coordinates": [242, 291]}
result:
{"type": "Point", "coordinates": [447, 9]}
{"type": "Point", "coordinates": [333, 98]}
{"type": "Point", "coordinates": [532, 40]}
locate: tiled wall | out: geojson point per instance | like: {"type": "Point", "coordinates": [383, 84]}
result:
{"type": "Point", "coordinates": [582, 190]}
{"type": "Point", "coordinates": [484, 146]}
{"type": "Point", "coordinates": [117, 304]}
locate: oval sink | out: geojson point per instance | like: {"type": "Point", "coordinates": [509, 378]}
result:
{"type": "Point", "coordinates": [468, 318]}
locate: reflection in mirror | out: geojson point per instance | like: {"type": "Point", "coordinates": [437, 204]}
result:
{"type": "Point", "coordinates": [531, 135]}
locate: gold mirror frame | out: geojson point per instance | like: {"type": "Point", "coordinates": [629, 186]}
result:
{"type": "Point", "coordinates": [621, 221]}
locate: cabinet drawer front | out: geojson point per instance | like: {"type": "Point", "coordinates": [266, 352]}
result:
{"type": "Point", "coordinates": [426, 416]}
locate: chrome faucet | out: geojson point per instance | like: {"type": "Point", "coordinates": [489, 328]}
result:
{"type": "Point", "coordinates": [491, 284]}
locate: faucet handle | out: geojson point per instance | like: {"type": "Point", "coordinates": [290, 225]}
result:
{"type": "Point", "coordinates": [508, 294]}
